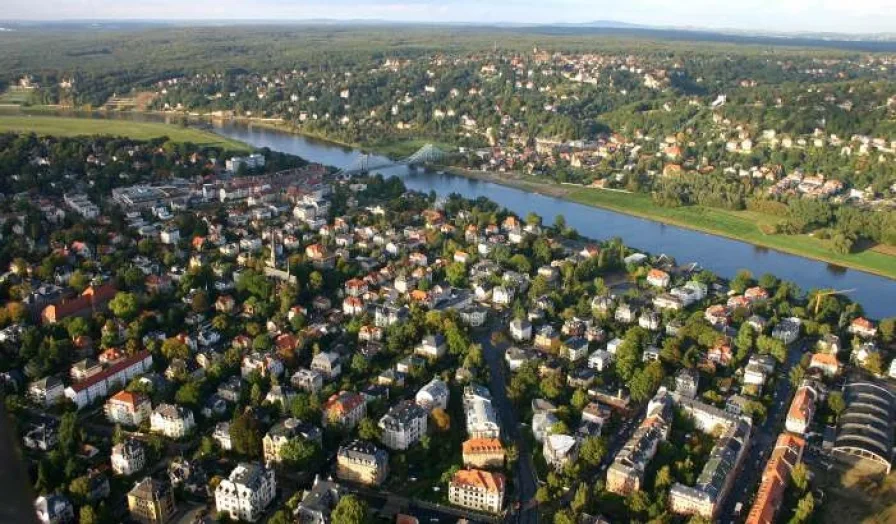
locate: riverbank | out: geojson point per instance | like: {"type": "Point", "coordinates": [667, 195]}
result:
{"type": "Point", "coordinates": [736, 225]}
{"type": "Point", "coordinates": [68, 126]}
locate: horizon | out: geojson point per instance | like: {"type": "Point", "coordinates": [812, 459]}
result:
{"type": "Point", "coordinates": [861, 17]}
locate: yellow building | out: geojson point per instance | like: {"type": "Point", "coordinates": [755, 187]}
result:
{"type": "Point", "coordinates": [151, 501]}
{"type": "Point", "coordinates": [483, 453]}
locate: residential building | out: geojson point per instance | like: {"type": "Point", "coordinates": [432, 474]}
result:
{"type": "Point", "coordinates": [172, 421]}
{"type": "Point", "coordinates": [46, 392]}
{"type": "Point", "coordinates": [404, 425]}
{"type": "Point", "coordinates": [687, 382]}
{"type": "Point", "coordinates": [116, 375]}
{"type": "Point", "coordinates": [863, 328]}
{"type": "Point", "coordinates": [128, 409]}
{"type": "Point", "coordinates": [432, 346]}
{"type": "Point", "coordinates": [128, 457]}
{"type": "Point", "coordinates": [626, 474]}
{"type": "Point", "coordinates": [433, 394]}
{"type": "Point", "coordinates": [151, 501]}
{"type": "Point", "coordinates": [477, 489]}
{"type": "Point", "coordinates": [308, 380]}
{"type": "Point", "coordinates": [574, 349]}
{"type": "Point", "coordinates": [560, 450]}
{"type": "Point", "coordinates": [785, 456]}
{"type": "Point", "coordinates": [317, 503]}
{"type": "Point", "coordinates": [520, 329]}
{"type": "Point", "coordinates": [345, 408]}
{"type": "Point", "coordinates": [362, 462]}
{"type": "Point", "coordinates": [483, 453]}
{"type": "Point", "coordinates": [788, 330]}
{"type": "Point", "coordinates": [246, 492]}
{"type": "Point", "coordinates": [600, 360]}
{"type": "Point", "coordinates": [799, 416]}
{"type": "Point", "coordinates": [286, 431]}
{"type": "Point", "coordinates": [54, 509]}
{"type": "Point", "coordinates": [327, 363]}
{"type": "Point", "coordinates": [482, 419]}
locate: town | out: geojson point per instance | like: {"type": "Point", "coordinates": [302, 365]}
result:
{"type": "Point", "coordinates": [190, 335]}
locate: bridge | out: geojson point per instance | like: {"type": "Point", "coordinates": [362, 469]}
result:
{"type": "Point", "coordinates": [425, 155]}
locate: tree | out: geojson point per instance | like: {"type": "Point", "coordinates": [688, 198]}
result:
{"type": "Point", "coordinates": [299, 453]}
{"type": "Point", "coordinates": [79, 489]}
{"type": "Point", "coordinates": [580, 500]}
{"type": "Point", "coordinates": [441, 420]}
{"type": "Point", "coordinates": [350, 510]}
{"type": "Point", "coordinates": [741, 281]}
{"type": "Point", "coordinates": [799, 475]}
{"type": "Point", "coordinates": [579, 399]}
{"type": "Point", "coordinates": [173, 348]}
{"type": "Point", "coordinates": [245, 435]}
{"type": "Point", "coordinates": [836, 403]}
{"type": "Point", "coordinates": [804, 509]}
{"type": "Point", "coordinates": [369, 430]}
{"type": "Point", "coordinates": [874, 364]}
{"type": "Point", "coordinates": [663, 478]}
{"type": "Point", "coordinates": [593, 451]}
{"type": "Point", "coordinates": [87, 515]}
{"type": "Point", "coordinates": [887, 329]}
{"type": "Point", "coordinates": [124, 305]}
{"type": "Point", "coordinates": [189, 394]}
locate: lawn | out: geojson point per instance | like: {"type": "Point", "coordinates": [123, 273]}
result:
{"type": "Point", "coordinates": [741, 225]}
{"type": "Point", "coordinates": [856, 493]}
{"type": "Point", "coordinates": [72, 126]}
{"type": "Point", "coordinates": [14, 96]}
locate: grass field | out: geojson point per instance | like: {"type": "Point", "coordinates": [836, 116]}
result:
{"type": "Point", "coordinates": [72, 126]}
{"type": "Point", "coordinates": [856, 494]}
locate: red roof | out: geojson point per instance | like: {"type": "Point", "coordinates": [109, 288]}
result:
{"type": "Point", "coordinates": [111, 370]}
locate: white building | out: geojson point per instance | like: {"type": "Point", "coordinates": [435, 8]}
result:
{"type": "Point", "coordinates": [99, 385]}
{"type": "Point", "coordinates": [433, 395]}
{"type": "Point", "coordinates": [477, 489]}
{"type": "Point", "coordinates": [172, 421]}
{"type": "Point", "coordinates": [520, 329]}
{"type": "Point", "coordinates": [482, 420]}
{"type": "Point", "coordinates": [403, 425]}
{"type": "Point", "coordinates": [327, 364]}
{"type": "Point", "coordinates": [128, 409]}
{"type": "Point", "coordinates": [247, 492]}
{"type": "Point", "coordinates": [128, 457]}
{"type": "Point", "coordinates": [559, 450]}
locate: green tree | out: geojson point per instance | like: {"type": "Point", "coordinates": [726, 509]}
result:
{"type": "Point", "coordinates": [245, 435]}
{"type": "Point", "coordinates": [799, 475]}
{"type": "Point", "coordinates": [299, 453]}
{"type": "Point", "coordinates": [836, 403]}
{"type": "Point", "coordinates": [173, 348]}
{"type": "Point", "coordinates": [593, 450]}
{"type": "Point", "coordinates": [124, 305]}
{"type": "Point", "coordinates": [579, 399]}
{"type": "Point", "coordinates": [87, 515]}
{"type": "Point", "coordinates": [804, 509]}
{"type": "Point", "coordinates": [350, 510]}
{"type": "Point", "coordinates": [369, 430]}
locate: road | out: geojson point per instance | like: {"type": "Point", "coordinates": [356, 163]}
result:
{"type": "Point", "coordinates": [763, 440]}
{"type": "Point", "coordinates": [526, 481]}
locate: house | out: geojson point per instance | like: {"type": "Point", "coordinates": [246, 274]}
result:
{"type": "Point", "coordinates": [317, 503]}
{"type": "Point", "coordinates": [151, 501]}
{"type": "Point", "coordinates": [327, 363]}
{"type": "Point", "coordinates": [410, 365]}
{"type": "Point", "coordinates": [483, 453]}
{"type": "Point", "coordinates": [282, 394]}
{"type": "Point", "coordinates": [717, 315]}
{"type": "Point", "coordinates": [128, 457]}
{"type": "Point", "coordinates": [649, 320]}
{"type": "Point", "coordinates": [42, 436]}
{"type": "Point", "coordinates": [172, 421]}
{"type": "Point", "coordinates": [503, 296]}
{"type": "Point", "coordinates": [128, 409]}
{"type": "Point", "coordinates": [362, 462]}
{"type": "Point", "coordinates": [433, 394]}
{"type": "Point", "coordinates": [404, 425]}
{"type": "Point", "coordinates": [625, 314]}
{"type": "Point", "coordinates": [480, 414]}
{"type": "Point", "coordinates": [432, 346]}
{"type": "Point", "coordinates": [352, 306]}
{"type": "Point", "coordinates": [799, 416]}
{"type": "Point", "coordinates": [574, 349]}
{"type": "Point", "coordinates": [596, 413]}
{"type": "Point", "coordinates": [46, 392]}
{"type": "Point", "coordinates": [54, 509]}
{"type": "Point", "coordinates": [345, 409]}
{"type": "Point", "coordinates": [84, 369]}
{"type": "Point", "coordinates": [788, 330]}
{"type": "Point", "coordinates": [720, 353]}
{"type": "Point", "coordinates": [308, 380]}
{"type": "Point", "coordinates": [687, 382]}
{"type": "Point", "coordinates": [520, 329]}
{"type": "Point", "coordinates": [600, 360]}
{"type": "Point", "coordinates": [862, 327]}
{"type": "Point", "coordinates": [559, 450]}
{"type": "Point", "coordinates": [658, 278]}
{"type": "Point", "coordinates": [286, 431]}
{"type": "Point", "coordinates": [542, 424]}
{"type": "Point", "coordinates": [827, 363]}
{"type": "Point", "coordinates": [246, 492]}
{"type": "Point", "coordinates": [516, 357]}
{"type": "Point", "coordinates": [265, 364]}
{"type": "Point", "coordinates": [547, 338]}
{"type": "Point", "coordinates": [477, 489]}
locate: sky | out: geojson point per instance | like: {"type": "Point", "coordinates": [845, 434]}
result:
{"type": "Point", "coordinates": [839, 16]}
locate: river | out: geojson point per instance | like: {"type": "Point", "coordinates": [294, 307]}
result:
{"type": "Point", "coordinates": [721, 255]}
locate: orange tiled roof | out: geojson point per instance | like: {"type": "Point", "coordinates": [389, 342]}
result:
{"type": "Point", "coordinates": [477, 478]}
{"type": "Point", "coordinates": [482, 445]}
